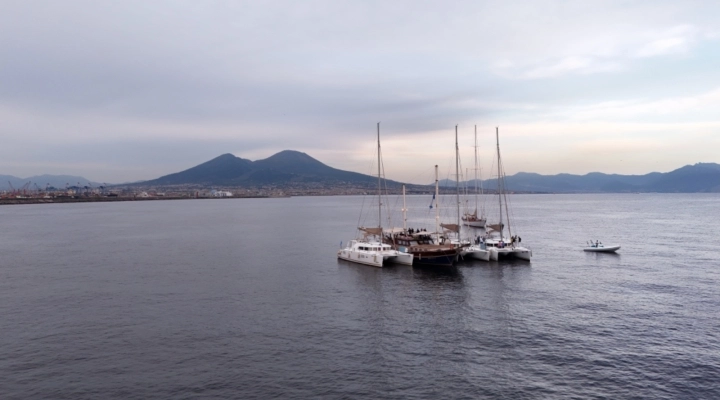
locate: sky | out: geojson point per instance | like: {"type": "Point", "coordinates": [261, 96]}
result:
{"type": "Point", "coordinates": [120, 91]}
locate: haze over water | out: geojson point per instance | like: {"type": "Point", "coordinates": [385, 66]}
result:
{"type": "Point", "coordinates": [245, 298]}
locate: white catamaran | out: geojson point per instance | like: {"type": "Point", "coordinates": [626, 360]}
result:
{"type": "Point", "coordinates": [499, 245]}
{"type": "Point", "coordinates": [370, 250]}
{"type": "Point", "coordinates": [467, 249]}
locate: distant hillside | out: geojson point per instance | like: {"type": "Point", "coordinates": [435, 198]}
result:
{"type": "Point", "coordinates": [286, 167]}
{"type": "Point", "coordinates": [701, 177]}
{"type": "Point", "coordinates": [293, 168]}
{"type": "Point", "coordinates": [57, 181]}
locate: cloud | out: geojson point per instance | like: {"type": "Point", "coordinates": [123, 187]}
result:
{"type": "Point", "coordinates": [614, 53]}
{"type": "Point", "coordinates": [676, 40]}
{"type": "Point", "coordinates": [254, 78]}
{"type": "Point", "coordinates": [580, 65]}
{"type": "Point", "coordinates": [699, 107]}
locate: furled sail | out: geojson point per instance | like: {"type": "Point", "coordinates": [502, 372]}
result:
{"type": "Point", "coordinates": [495, 227]}
{"type": "Point", "coordinates": [371, 231]}
{"type": "Point", "coordinates": [451, 227]}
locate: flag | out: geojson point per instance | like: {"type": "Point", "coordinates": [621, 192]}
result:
{"type": "Point", "coordinates": [433, 200]}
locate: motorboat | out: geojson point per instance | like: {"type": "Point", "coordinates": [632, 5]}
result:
{"type": "Point", "coordinates": [598, 247]}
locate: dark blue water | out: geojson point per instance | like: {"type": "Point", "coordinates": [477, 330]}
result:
{"type": "Point", "coordinates": [245, 298]}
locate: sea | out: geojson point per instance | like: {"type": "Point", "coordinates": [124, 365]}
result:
{"type": "Point", "coordinates": [246, 299]}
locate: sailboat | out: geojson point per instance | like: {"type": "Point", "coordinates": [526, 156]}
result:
{"type": "Point", "coordinates": [427, 248]}
{"type": "Point", "coordinates": [465, 247]}
{"type": "Point", "coordinates": [497, 244]}
{"type": "Point", "coordinates": [370, 250]}
{"type": "Point", "coordinates": [472, 219]}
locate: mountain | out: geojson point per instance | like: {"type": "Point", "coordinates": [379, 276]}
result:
{"type": "Point", "coordinates": [295, 168]}
{"type": "Point", "coordinates": [701, 177]}
{"type": "Point", "coordinates": [57, 181]}
{"type": "Point", "coordinates": [285, 167]}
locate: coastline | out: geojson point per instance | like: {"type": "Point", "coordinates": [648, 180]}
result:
{"type": "Point", "coordinates": [60, 200]}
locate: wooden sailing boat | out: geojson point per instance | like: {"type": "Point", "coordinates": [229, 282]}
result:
{"type": "Point", "coordinates": [427, 248]}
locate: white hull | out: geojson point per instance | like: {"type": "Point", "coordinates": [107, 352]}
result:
{"type": "Point", "coordinates": [480, 223]}
{"type": "Point", "coordinates": [476, 252]}
{"type": "Point", "coordinates": [373, 253]}
{"type": "Point", "coordinates": [510, 252]}
{"type": "Point", "coordinates": [522, 253]}
{"type": "Point", "coordinates": [402, 258]}
{"type": "Point", "coordinates": [602, 249]}
{"type": "Point", "coordinates": [374, 260]}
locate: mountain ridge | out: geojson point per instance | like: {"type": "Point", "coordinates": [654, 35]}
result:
{"type": "Point", "coordinates": [285, 167]}
{"type": "Point", "coordinates": [696, 178]}
{"type": "Point", "coordinates": [293, 168]}
{"type": "Point", "coordinates": [57, 181]}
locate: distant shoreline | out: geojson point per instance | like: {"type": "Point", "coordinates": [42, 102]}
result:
{"type": "Point", "coordinates": [62, 200]}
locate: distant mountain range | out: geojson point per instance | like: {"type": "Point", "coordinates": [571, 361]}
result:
{"type": "Point", "coordinates": [42, 181]}
{"type": "Point", "coordinates": [284, 168]}
{"type": "Point", "coordinates": [293, 168]}
{"type": "Point", "coordinates": [701, 177]}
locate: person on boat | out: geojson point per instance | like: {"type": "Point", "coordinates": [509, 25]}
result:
{"type": "Point", "coordinates": [597, 243]}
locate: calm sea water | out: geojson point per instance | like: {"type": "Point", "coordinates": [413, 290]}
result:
{"type": "Point", "coordinates": [245, 298]}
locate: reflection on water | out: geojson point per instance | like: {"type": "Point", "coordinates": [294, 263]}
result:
{"type": "Point", "coordinates": [245, 298]}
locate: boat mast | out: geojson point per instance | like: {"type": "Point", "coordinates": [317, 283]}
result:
{"type": "Point", "coordinates": [404, 211]}
{"type": "Point", "coordinates": [499, 191]}
{"type": "Point", "coordinates": [379, 184]}
{"type": "Point", "coordinates": [437, 211]}
{"type": "Point", "coordinates": [476, 171]}
{"type": "Point", "coordinates": [457, 180]}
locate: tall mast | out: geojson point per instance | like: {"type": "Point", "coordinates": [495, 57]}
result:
{"type": "Point", "coordinates": [379, 184]}
{"type": "Point", "coordinates": [404, 211]}
{"type": "Point", "coordinates": [497, 141]}
{"type": "Point", "coordinates": [457, 180]}
{"type": "Point", "coordinates": [437, 195]}
{"type": "Point", "coordinates": [476, 171]}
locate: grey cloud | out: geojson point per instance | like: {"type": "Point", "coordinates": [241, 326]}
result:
{"type": "Point", "coordinates": [280, 74]}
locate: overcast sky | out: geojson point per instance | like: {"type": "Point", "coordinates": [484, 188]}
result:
{"type": "Point", "coordinates": [121, 91]}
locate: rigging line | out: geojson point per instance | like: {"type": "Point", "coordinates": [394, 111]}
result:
{"type": "Point", "coordinates": [364, 215]}
{"type": "Point", "coordinates": [385, 193]}
{"type": "Point", "coordinates": [505, 196]}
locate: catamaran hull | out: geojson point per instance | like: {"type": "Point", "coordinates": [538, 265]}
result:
{"type": "Point", "coordinates": [402, 258]}
{"type": "Point", "coordinates": [374, 260]}
{"type": "Point", "coordinates": [521, 253]}
{"type": "Point", "coordinates": [478, 254]}
{"type": "Point", "coordinates": [494, 256]}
